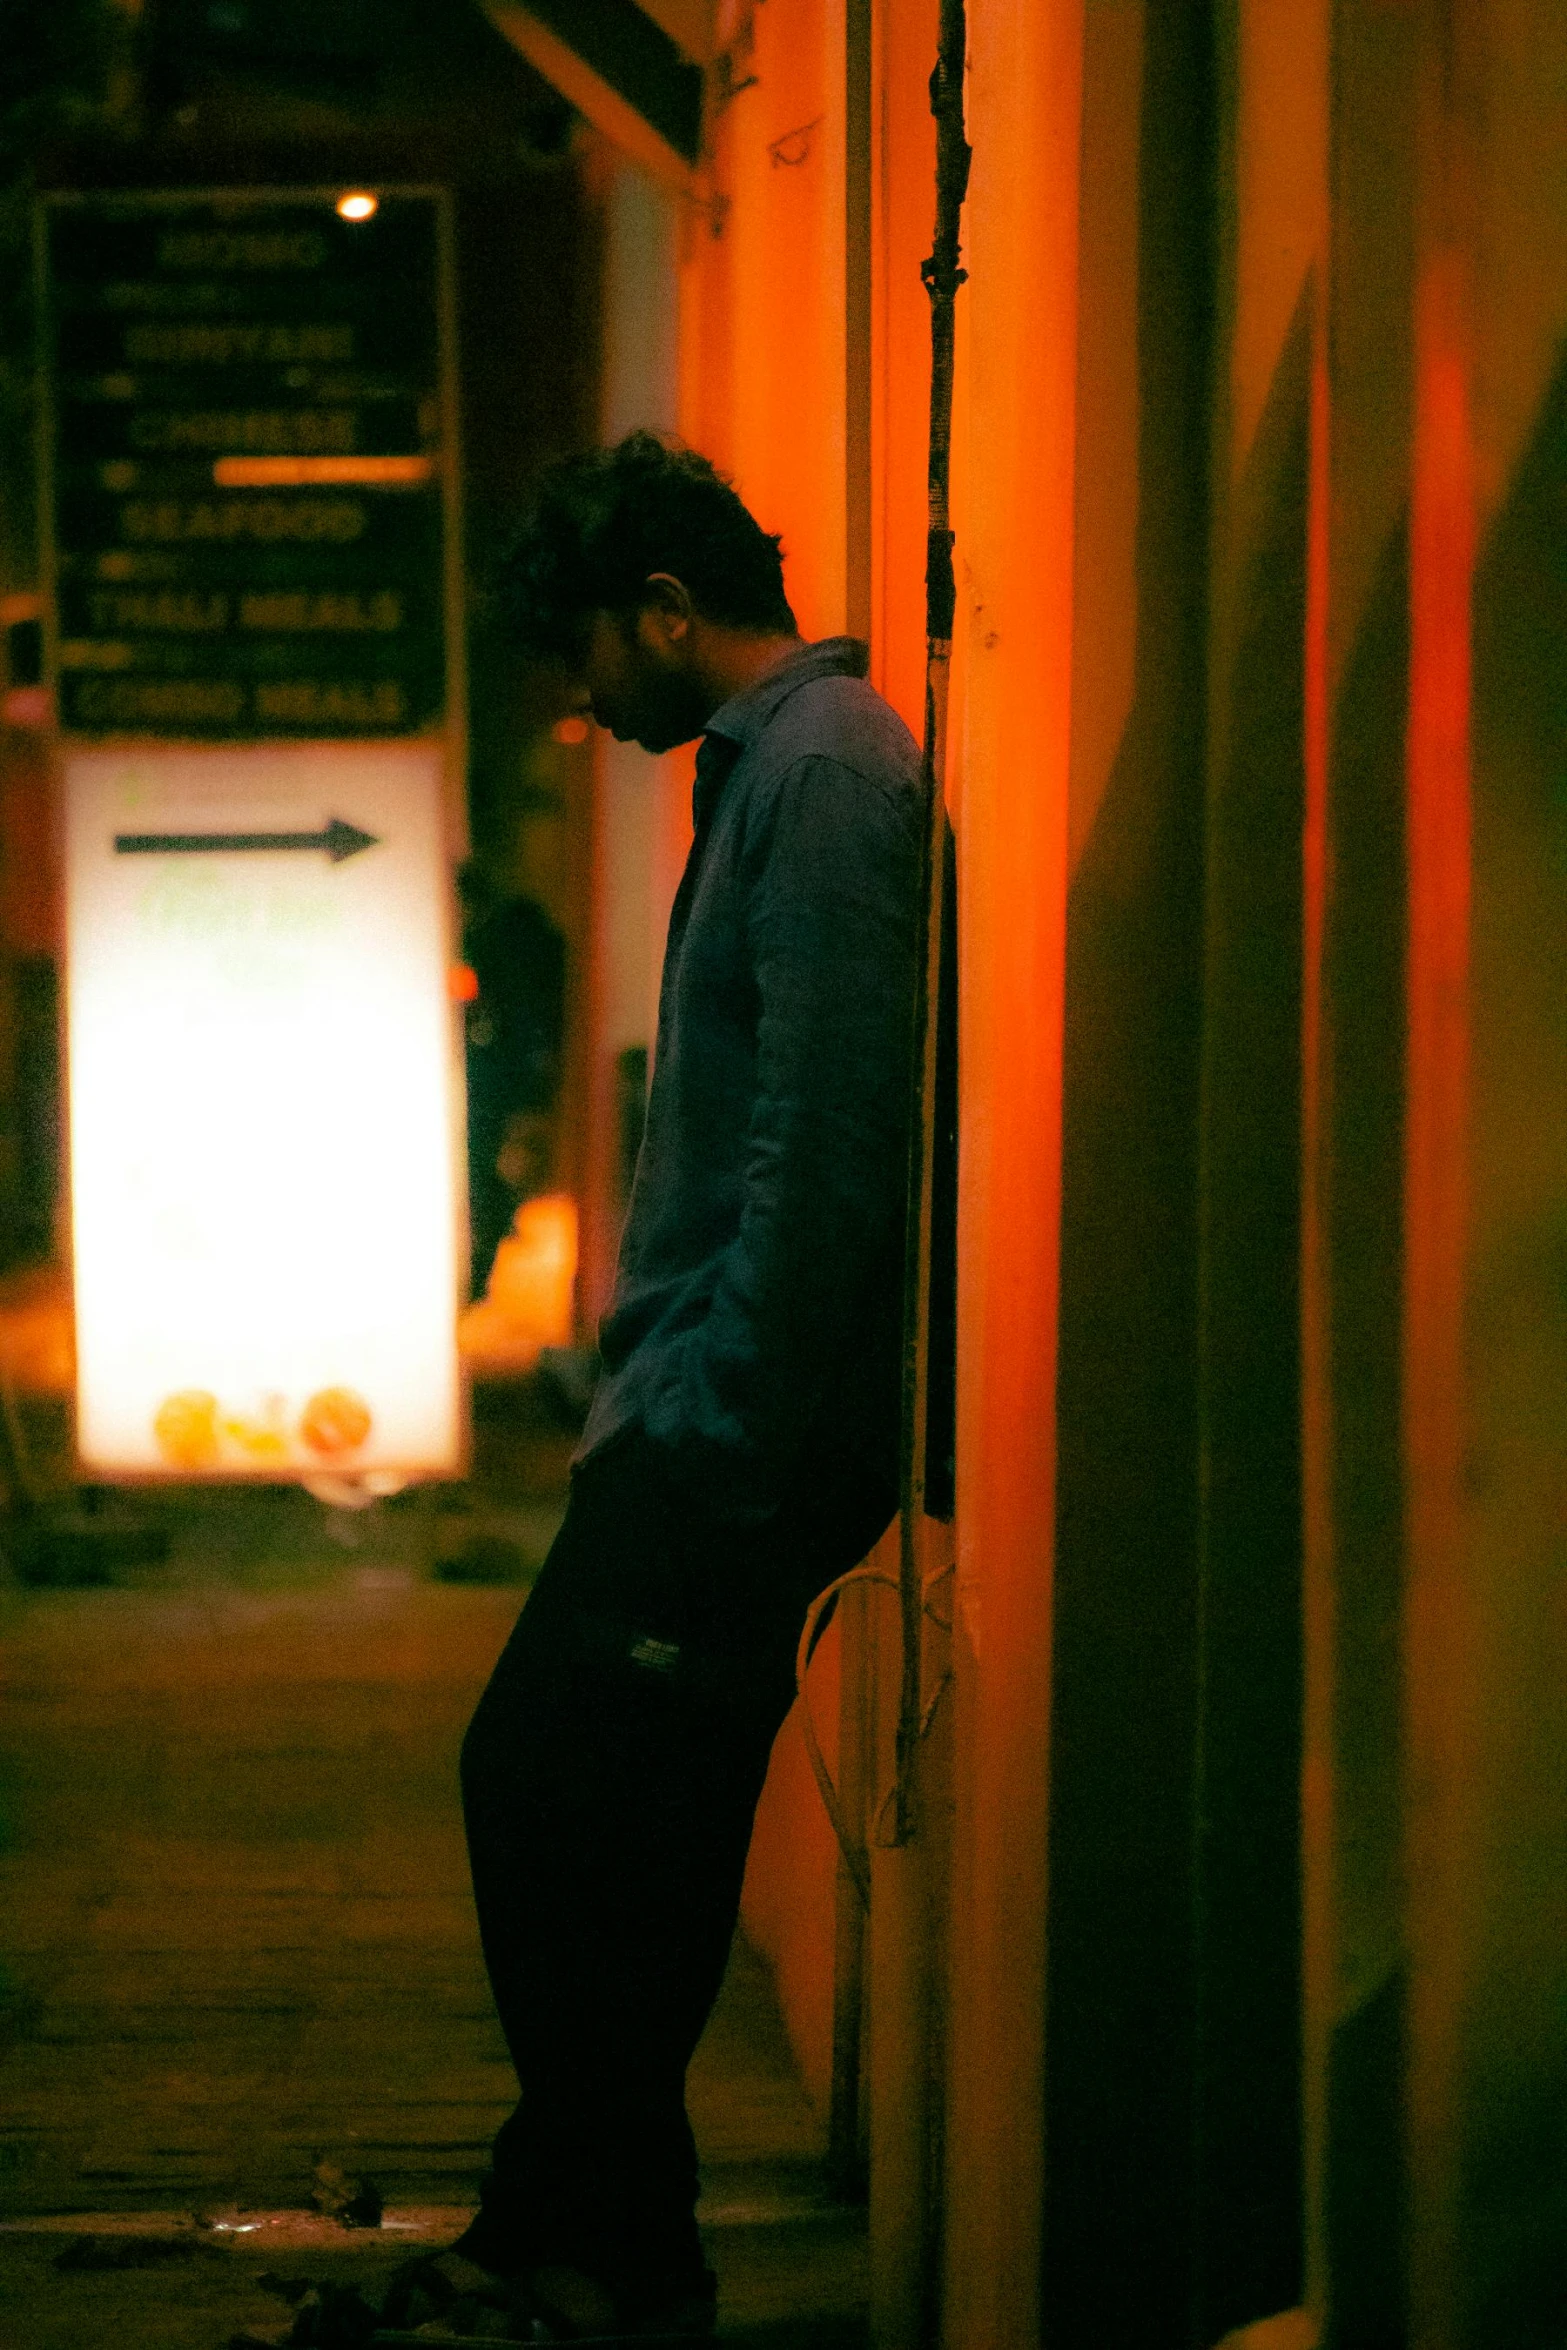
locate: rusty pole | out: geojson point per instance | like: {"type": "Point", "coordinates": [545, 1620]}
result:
{"type": "Point", "coordinates": [943, 275]}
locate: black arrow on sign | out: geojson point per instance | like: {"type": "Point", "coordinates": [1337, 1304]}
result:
{"type": "Point", "coordinates": [339, 840]}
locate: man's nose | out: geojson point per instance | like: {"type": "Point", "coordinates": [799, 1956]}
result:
{"type": "Point", "coordinates": [579, 697]}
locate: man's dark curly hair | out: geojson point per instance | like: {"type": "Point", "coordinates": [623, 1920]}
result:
{"type": "Point", "coordinates": [600, 524]}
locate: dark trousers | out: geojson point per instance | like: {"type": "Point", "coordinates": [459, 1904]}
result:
{"type": "Point", "coordinates": [610, 1779]}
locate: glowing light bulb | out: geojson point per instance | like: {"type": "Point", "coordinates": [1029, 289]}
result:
{"type": "Point", "coordinates": [358, 204]}
{"type": "Point", "coordinates": [570, 730]}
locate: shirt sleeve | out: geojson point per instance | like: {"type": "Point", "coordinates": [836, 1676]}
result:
{"type": "Point", "coordinates": [831, 928]}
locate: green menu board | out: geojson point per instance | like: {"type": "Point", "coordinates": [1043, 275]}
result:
{"type": "Point", "coordinates": [247, 463]}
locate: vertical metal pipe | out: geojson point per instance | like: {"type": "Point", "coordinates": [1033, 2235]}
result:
{"type": "Point", "coordinates": [902, 2217]}
{"type": "Point", "coordinates": [943, 276]}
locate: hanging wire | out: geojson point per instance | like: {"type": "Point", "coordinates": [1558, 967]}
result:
{"type": "Point", "coordinates": [942, 275]}
{"type": "Point", "coordinates": [855, 1853]}
{"type": "Point", "coordinates": [855, 1857]}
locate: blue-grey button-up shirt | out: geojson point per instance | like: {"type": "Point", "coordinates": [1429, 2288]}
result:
{"type": "Point", "coordinates": [755, 1332]}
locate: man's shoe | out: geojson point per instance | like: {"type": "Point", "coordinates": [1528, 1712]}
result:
{"type": "Point", "coordinates": [332, 2317]}
{"type": "Point", "coordinates": [442, 2287]}
{"type": "Point", "coordinates": [566, 2305]}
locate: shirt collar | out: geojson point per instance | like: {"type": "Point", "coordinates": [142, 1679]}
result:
{"type": "Point", "coordinates": [736, 724]}
{"type": "Point", "coordinates": [741, 719]}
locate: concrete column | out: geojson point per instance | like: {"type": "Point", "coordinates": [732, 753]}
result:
{"type": "Point", "coordinates": [1014, 526]}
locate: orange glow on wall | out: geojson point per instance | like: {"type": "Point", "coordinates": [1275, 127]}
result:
{"type": "Point", "coordinates": [903, 169]}
{"type": "Point", "coordinates": [1015, 609]}
{"type": "Point", "coordinates": [1441, 571]}
{"type": "Point", "coordinates": [1436, 1144]}
{"type": "Point", "coordinates": [762, 361]}
{"type": "Point", "coordinates": [762, 309]}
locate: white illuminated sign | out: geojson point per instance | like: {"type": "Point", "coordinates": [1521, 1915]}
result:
{"type": "Point", "coordinates": [264, 1112]}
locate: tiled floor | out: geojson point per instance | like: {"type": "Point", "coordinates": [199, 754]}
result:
{"type": "Point", "coordinates": [237, 1935]}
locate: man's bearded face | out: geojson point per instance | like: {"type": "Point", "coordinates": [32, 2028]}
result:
{"type": "Point", "coordinates": [637, 683]}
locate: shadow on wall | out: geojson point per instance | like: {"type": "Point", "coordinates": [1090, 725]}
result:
{"type": "Point", "coordinates": [1515, 2058]}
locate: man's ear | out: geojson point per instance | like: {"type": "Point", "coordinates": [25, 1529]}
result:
{"type": "Point", "coordinates": [666, 605]}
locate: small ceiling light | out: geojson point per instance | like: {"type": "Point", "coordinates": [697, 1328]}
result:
{"type": "Point", "coordinates": [358, 204]}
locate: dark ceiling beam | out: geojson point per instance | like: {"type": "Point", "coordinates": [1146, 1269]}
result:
{"type": "Point", "coordinates": [619, 69]}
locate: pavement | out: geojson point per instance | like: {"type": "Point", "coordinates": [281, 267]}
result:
{"type": "Point", "coordinates": [236, 1938]}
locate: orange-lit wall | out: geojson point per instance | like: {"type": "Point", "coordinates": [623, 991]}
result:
{"type": "Point", "coordinates": [762, 359]}
{"type": "Point", "coordinates": [1253, 483]}
{"type": "Point", "coordinates": [1485, 1402]}
{"type": "Point", "coordinates": [763, 378]}
{"type": "Point", "coordinates": [762, 308]}
{"type": "Point", "coordinates": [1435, 1110]}
{"type": "Point", "coordinates": [1014, 522]}
{"type": "Point", "coordinates": [902, 217]}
